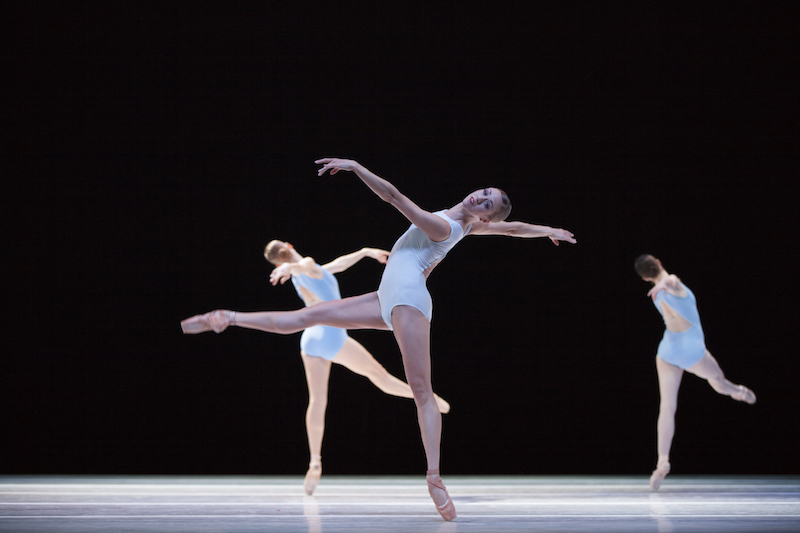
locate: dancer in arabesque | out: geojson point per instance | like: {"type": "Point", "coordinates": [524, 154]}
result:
{"type": "Point", "coordinates": [402, 303]}
{"type": "Point", "coordinates": [682, 348]}
{"type": "Point", "coordinates": [322, 345]}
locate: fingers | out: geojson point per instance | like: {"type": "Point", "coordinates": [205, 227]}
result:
{"type": "Point", "coordinates": [327, 164]}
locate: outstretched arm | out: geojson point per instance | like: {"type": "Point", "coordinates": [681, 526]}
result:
{"type": "Point", "coordinates": [340, 264]}
{"type": "Point", "coordinates": [671, 284]}
{"type": "Point", "coordinates": [522, 229]}
{"type": "Point", "coordinates": [433, 226]}
{"type": "Point", "coordinates": [284, 271]}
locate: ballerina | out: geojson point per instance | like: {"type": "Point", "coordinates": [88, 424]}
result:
{"type": "Point", "coordinates": [682, 348]}
{"type": "Point", "coordinates": [402, 303]}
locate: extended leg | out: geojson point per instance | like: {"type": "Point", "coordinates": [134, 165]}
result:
{"type": "Point", "coordinates": [412, 331]}
{"type": "Point", "coordinates": [356, 358]}
{"type": "Point", "coordinates": [708, 369]}
{"type": "Point", "coordinates": [356, 312]}
{"type": "Point", "coordinates": [317, 374]}
{"type": "Point", "coordinates": [669, 381]}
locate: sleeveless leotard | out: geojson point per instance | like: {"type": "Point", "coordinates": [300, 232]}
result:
{"type": "Point", "coordinates": [403, 281]}
{"type": "Point", "coordinates": [321, 341]}
{"type": "Point", "coordinates": [687, 348]}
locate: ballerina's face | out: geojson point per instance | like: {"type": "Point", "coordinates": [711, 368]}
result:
{"type": "Point", "coordinates": [483, 203]}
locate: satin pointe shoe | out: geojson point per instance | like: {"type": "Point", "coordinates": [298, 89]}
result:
{"type": "Point", "coordinates": [196, 324]}
{"type": "Point", "coordinates": [744, 395]}
{"type": "Point", "coordinates": [447, 510]}
{"type": "Point", "coordinates": [217, 321]}
{"type": "Point", "coordinates": [658, 475]}
{"type": "Point", "coordinates": [312, 476]}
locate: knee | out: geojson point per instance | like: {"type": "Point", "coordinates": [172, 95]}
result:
{"type": "Point", "coordinates": [421, 389]}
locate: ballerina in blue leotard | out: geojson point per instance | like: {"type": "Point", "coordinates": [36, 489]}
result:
{"type": "Point", "coordinates": [402, 303]}
{"type": "Point", "coordinates": [322, 345]}
{"type": "Point", "coordinates": [682, 348]}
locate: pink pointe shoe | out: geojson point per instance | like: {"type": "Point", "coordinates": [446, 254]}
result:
{"type": "Point", "coordinates": [744, 395]}
{"type": "Point", "coordinates": [658, 475]}
{"type": "Point", "coordinates": [447, 510]}
{"type": "Point", "coordinates": [312, 476]}
{"type": "Point", "coordinates": [216, 321]}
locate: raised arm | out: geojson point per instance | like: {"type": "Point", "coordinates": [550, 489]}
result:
{"type": "Point", "coordinates": [522, 229]}
{"type": "Point", "coordinates": [671, 284]}
{"type": "Point", "coordinates": [284, 271]}
{"type": "Point", "coordinates": [433, 226]}
{"type": "Point", "coordinates": [340, 264]}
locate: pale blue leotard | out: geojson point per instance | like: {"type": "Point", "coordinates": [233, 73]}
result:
{"type": "Point", "coordinates": [403, 281]}
{"type": "Point", "coordinates": [687, 348]}
{"type": "Point", "coordinates": [321, 341]}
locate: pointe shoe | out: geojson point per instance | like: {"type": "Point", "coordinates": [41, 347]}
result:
{"type": "Point", "coordinates": [447, 510]}
{"type": "Point", "coordinates": [744, 395]}
{"type": "Point", "coordinates": [658, 475]}
{"type": "Point", "coordinates": [218, 321]}
{"type": "Point", "coordinates": [196, 324]}
{"type": "Point", "coordinates": [312, 476]}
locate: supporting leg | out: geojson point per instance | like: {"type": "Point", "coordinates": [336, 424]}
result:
{"type": "Point", "coordinates": [412, 331]}
{"type": "Point", "coordinates": [669, 381]}
{"type": "Point", "coordinates": [317, 375]}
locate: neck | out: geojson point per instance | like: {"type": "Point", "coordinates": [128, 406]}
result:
{"type": "Point", "coordinates": [461, 215]}
{"type": "Point", "coordinates": [661, 275]}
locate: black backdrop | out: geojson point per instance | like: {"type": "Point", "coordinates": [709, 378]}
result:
{"type": "Point", "coordinates": [151, 151]}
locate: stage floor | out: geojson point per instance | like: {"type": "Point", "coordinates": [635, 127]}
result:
{"type": "Point", "coordinates": [486, 504]}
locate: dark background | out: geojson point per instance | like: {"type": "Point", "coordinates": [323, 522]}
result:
{"type": "Point", "coordinates": [151, 150]}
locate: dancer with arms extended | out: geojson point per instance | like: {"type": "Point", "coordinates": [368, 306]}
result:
{"type": "Point", "coordinates": [682, 348]}
{"type": "Point", "coordinates": [322, 345]}
{"type": "Point", "coordinates": [402, 303]}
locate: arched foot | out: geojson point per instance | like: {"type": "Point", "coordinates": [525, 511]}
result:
{"type": "Point", "coordinates": [658, 475]}
{"type": "Point", "coordinates": [312, 476]}
{"type": "Point", "coordinates": [438, 491]}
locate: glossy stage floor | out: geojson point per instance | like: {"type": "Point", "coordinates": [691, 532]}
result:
{"type": "Point", "coordinates": [346, 504]}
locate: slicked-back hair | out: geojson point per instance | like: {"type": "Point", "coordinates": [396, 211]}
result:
{"type": "Point", "coordinates": [647, 266]}
{"type": "Point", "coordinates": [504, 210]}
{"type": "Point", "coordinates": [277, 253]}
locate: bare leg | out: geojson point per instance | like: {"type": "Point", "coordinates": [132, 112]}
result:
{"type": "Point", "coordinates": [317, 374]}
{"type": "Point", "coordinates": [355, 312]}
{"type": "Point", "coordinates": [412, 331]}
{"type": "Point", "coordinates": [708, 369]}
{"type": "Point", "coordinates": [669, 381]}
{"type": "Point", "coordinates": [356, 358]}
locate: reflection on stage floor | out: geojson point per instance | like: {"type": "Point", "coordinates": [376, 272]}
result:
{"type": "Point", "coordinates": [378, 503]}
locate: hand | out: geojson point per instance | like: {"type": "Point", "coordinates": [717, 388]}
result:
{"type": "Point", "coordinates": [281, 273]}
{"type": "Point", "coordinates": [335, 165]}
{"type": "Point", "coordinates": [381, 256]}
{"type": "Point", "coordinates": [669, 282]}
{"type": "Point", "coordinates": [561, 235]}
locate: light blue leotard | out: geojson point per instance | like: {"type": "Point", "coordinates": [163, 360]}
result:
{"type": "Point", "coordinates": [403, 281]}
{"type": "Point", "coordinates": [687, 348]}
{"type": "Point", "coordinates": [321, 341]}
